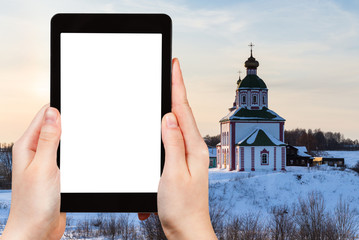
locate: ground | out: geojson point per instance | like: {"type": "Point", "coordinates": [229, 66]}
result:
{"type": "Point", "coordinates": [243, 192]}
{"type": "Point", "coordinates": [258, 191]}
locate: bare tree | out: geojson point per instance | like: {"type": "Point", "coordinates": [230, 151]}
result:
{"type": "Point", "coordinates": [282, 225]}
{"type": "Point", "coordinates": [311, 217]}
{"type": "Point", "coordinates": [232, 229]}
{"type": "Point", "coordinates": [126, 227]}
{"type": "Point", "coordinates": [6, 164]}
{"type": "Point", "coordinates": [152, 228]}
{"type": "Point", "coordinates": [84, 229]}
{"type": "Point", "coordinates": [217, 212]}
{"type": "Point", "coordinates": [346, 220]}
{"type": "Point", "coordinates": [110, 227]}
{"type": "Point", "coordinates": [253, 228]}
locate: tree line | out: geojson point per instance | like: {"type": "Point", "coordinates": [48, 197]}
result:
{"type": "Point", "coordinates": [317, 140]}
{"type": "Point", "coordinates": [5, 165]}
{"type": "Point", "coordinates": [314, 140]}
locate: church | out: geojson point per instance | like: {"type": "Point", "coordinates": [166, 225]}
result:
{"type": "Point", "coordinates": [252, 135]}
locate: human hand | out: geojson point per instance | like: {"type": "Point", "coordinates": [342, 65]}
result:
{"type": "Point", "coordinates": [183, 188]}
{"type": "Point", "coordinates": [35, 202]}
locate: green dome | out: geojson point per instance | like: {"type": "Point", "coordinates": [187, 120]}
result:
{"type": "Point", "coordinates": [252, 81]}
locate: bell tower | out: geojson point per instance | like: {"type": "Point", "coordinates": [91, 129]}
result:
{"type": "Point", "coordinates": [252, 92]}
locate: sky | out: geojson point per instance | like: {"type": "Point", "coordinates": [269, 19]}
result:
{"type": "Point", "coordinates": [308, 53]}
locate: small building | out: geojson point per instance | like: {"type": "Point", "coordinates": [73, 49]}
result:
{"type": "Point", "coordinates": [334, 162]}
{"type": "Point", "coordinates": [212, 157]}
{"type": "Point", "coordinates": [298, 156]}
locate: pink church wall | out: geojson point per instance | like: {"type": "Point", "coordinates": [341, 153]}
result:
{"type": "Point", "coordinates": [249, 158]}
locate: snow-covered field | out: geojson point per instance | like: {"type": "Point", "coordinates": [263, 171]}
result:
{"type": "Point", "coordinates": [243, 192]}
{"type": "Point", "coordinates": [256, 192]}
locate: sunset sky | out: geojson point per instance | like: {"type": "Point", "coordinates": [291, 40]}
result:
{"type": "Point", "coordinates": [308, 53]}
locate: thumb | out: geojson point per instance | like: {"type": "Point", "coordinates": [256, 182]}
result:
{"type": "Point", "coordinates": [175, 157]}
{"type": "Point", "coordinates": [49, 137]}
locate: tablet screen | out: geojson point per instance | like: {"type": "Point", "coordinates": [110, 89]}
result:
{"type": "Point", "coordinates": [110, 112]}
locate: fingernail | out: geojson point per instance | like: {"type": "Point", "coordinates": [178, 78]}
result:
{"type": "Point", "coordinates": [179, 66]}
{"type": "Point", "coordinates": [50, 115]}
{"type": "Point", "coordinates": [171, 121]}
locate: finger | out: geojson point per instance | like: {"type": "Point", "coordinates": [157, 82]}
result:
{"type": "Point", "coordinates": [24, 148]}
{"type": "Point", "coordinates": [49, 138]}
{"type": "Point", "coordinates": [143, 216]}
{"type": "Point", "coordinates": [194, 143]}
{"type": "Point", "coordinates": [175, 156]}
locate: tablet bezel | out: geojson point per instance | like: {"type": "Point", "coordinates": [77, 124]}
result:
{"type": "Point", "coordinates": [111, 23]}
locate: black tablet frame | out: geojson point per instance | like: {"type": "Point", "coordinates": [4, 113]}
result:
{"type": "Point", "coordinates": [111, 23]}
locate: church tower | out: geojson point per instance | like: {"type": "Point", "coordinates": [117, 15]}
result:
{"type": "Point", "coordinates": [252, 135]}
{"type": "Point", "coordinates": [252, 92]}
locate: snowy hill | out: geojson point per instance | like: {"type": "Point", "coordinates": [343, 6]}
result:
{"type": "Point", "coordinates": [255, 192]}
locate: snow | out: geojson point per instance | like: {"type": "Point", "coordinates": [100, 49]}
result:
{"type": "Point", "coordinates": [277, 116]}
{"type": "Point", "coordinates": [243, 192]}
{"type": "Point", "coordinates": [301, 148]}
{"type": "Point", "coordinates": [273, 139]}
{"type": "Point", "coordinates": [303, 154]}
{"type": "Point", "coordinates": [5, 200]}
{"type": "Point", "coordinates": [252, 138]}
{"type": "Point", "coordinates": [302, 151]}
{"type": "Point", "coordinates": [229, 115]}
{"type": "Point", "coordinates": [253, 135]}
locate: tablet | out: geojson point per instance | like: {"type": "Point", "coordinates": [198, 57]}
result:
{"type": "Point", "coordinates": [111, 82]}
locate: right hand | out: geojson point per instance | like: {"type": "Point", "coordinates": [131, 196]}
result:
{"type": "Point", "coordinates": [183, 188]}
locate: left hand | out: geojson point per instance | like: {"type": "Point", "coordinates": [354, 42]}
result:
{"type": "Point", "coordinates": [35, 202]}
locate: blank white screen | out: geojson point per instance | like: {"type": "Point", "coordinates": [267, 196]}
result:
{"type": "Point", "coordinates": [110, 112]}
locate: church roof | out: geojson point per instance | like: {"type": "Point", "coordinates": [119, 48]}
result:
{"type": "Point", "coordinates": [252, 81]}
{"type": "Point", "coordinates": [260, 137]}
{"type": "Point", "coordinates": [243, 113]}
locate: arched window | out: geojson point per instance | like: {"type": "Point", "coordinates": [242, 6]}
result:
{"type": "Point", "coordinates": [243, 99]}
{"type": "Point", "coordinates": [264, 157]}
{"type": "Point", "coordinates": [264, 99]}
{"type": "Point", "coordinates": [254, 99]}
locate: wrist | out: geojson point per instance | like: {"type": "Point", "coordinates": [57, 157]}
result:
{"type": "Point", "coordinates": [13, 233]}
{"type": "Point", "coordinates": [21, 230]}
{"type": "Point", "coordinates": [188, 231]}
